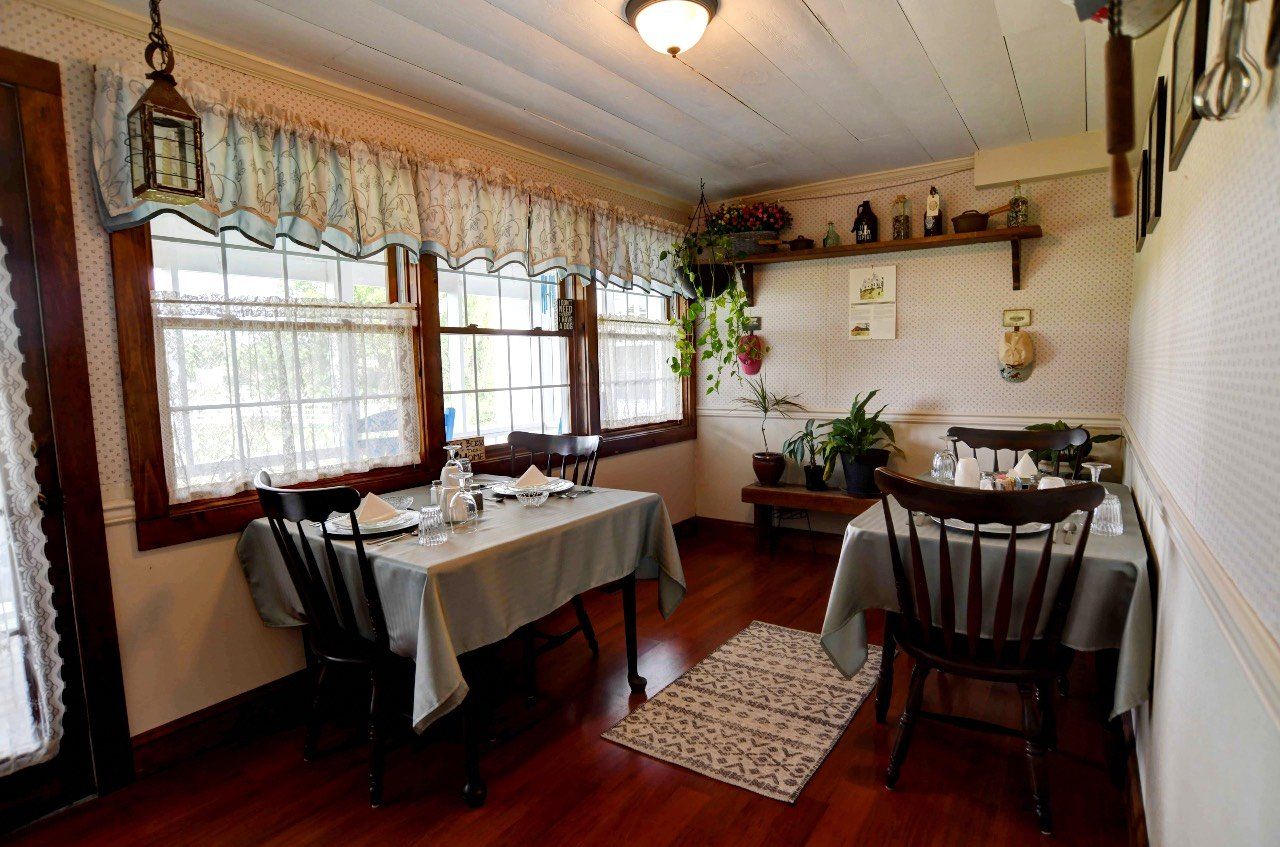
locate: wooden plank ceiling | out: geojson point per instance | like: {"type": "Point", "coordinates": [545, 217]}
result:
{"type": "Point", "coordinates": [777, 93]}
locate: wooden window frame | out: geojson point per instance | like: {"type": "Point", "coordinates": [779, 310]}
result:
{"type": "Point", "coordinates": [158, 522]}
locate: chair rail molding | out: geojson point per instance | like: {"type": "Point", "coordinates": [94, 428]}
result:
{"type": "Point", "coordinates": [1090, 422]}
{"type": "Point", "coordinates": [128, 23]}
{"type": "Point", "coordinates": [1246, 634]}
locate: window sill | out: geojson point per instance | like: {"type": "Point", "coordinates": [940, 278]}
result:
{"type": "Point", "coordinates": [617, 441]}
{"type": "Point", "coordinates": [202, 519]}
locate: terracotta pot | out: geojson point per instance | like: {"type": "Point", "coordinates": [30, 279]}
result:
{"type": "Point", "coordinates": [768, 467]}
{"type": "Point", "coordinates": [860, 471]}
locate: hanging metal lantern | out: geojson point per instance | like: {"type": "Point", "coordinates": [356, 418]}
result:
{"type": "Point", "coordinates": [166, 156]}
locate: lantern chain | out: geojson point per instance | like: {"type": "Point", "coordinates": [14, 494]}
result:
{"type": "Point", "coordinates": [158, 42]}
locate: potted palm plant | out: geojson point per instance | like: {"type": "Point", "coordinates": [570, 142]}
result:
{"type": "Point", "coordinates": [806, 442]}
{"type": "Point", "coordinates": [768, 465]}
{"type": "Point", "coordinates": [862, 443]}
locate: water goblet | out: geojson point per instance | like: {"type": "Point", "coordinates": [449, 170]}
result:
{"type": "Point", "coordinates": [463, 509]}
{"type": "Point", "coordinates": [944, 463]}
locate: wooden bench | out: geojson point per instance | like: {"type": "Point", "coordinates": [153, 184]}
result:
{"type": "Point", "coordinates": [767, 498]}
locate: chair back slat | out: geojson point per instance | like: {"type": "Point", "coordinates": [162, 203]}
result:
{"type": "Point", "coordinates": [1004, 595]}
{"type": "Point", "coordinates": [571, 457]}
{"type": "Point", "coordinates": [947, 592]}
{"type": "Point", "coordinates": [1035, 598]}
{"type": "Point", "coordinates": [974, 507]}
{"type": "Point", "coordinates": [973, 612]}
{"type": "Point", "coordinates": [920, 582]}
{"type": "Point", "coordinates": [1019, 441]}
{"type": "Point", "coordinates": [318, 581]}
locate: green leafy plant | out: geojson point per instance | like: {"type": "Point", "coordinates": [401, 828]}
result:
{"type": "Point", "coordinates": [806, 441]}
{"type": "Point", "coordinates": [1068, 455]}
{"type": "Point", "coordinates": [761, 400]}
{"type": "Point", "coordinates": [857, 433]}
{"type": "Point", "coordinates": [711, 324]}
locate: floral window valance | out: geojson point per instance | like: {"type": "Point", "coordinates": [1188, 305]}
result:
{"type": "Point", "coordinates": [270, 173]}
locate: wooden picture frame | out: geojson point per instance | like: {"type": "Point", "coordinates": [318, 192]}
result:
{"type": "Point", "coordinates": [1157, 115]}
{"type": "Point", "coordinates": [1190, 43]}
{"type": "Point", "coordinates": [1140, 202]}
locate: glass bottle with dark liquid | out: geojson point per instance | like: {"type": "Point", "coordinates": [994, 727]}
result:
{"type": "Point", "coordinates": [933, 213]}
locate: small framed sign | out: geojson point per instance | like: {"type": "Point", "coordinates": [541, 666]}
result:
{"type": "Point", "coordinates": [1017, 317]}
{"type": "Point", "coordinates": [470, 448]}
{"type": "Point", "coordinates": [564, 314]}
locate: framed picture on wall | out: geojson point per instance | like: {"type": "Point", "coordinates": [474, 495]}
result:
{"type": "Point", "coordinates": [1189, 44]}
{"type": "Point", "coordinates": [1140, 202]}
{"type": "Point", "coordinates": [1156, 118]}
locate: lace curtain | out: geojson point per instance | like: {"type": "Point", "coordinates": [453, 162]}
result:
{"type": "Point", "coordinates": [309, 388]}
{"type": "Point", "coordinates": [636, 383]}
{"type": "Point", "coordinates": [31, 707]}
{"type": "Point", "coordinates": [271, 173]}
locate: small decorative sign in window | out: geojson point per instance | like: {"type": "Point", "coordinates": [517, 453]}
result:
{"type": "Point", "coordinates": [470, 448]}
{"type": "Point", "coordinates": [564, 314]}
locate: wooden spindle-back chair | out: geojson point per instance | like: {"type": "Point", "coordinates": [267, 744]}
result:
{"type": "Point", "coordinates": [1019, 441]}
{"type": "Point", "coordinates": [1014, 650]}
{"type": "Point", "coordinates": [571, 457]}
{"type": "Point", "coordinates": [333, 634]}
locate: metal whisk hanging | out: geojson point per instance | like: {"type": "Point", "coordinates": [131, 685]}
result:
{"type": "Point", "coordinates": [1233, 81]}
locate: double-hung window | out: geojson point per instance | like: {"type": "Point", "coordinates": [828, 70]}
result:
{"type": "Point", "coordinates": [290, 359]}
{"type": "Point", "coordinates": [504, 363]}
{"type": "Point", "coordinates": [636, 345]}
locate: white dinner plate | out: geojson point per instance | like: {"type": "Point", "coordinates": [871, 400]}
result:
{"type": "Point", "coordinates": [993, 528]}
{"type": "Point", "coordinates": [340, 527]}
{"type": "Point", "coordinates": [554, 486]}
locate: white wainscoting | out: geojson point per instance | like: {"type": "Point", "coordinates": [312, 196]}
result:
{"type": "Point", "coordinates": [1209, 740]}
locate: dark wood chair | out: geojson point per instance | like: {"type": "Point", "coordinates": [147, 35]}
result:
{"type": "Point", "coordinates": [572, 457]}
{"type": "Point", "coordinates": [334, 637]}
{"type": "Point", "coordinates": [1014, 652]}
{"type": "Point", "coordinates": [1019, 441]}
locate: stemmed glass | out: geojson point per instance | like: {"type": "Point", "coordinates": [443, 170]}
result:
{"type": "Point", "coordinates": [1107, 519]}
{"type": "Point", "coordinates": [463, 509]}
{"type": "Point", "coordinates": [944, 461]}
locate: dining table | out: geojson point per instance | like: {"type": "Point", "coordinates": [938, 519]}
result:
{"type": "Point", "coordinates": [516, 565]}
{"type": "Point", "coordinates": [1112, 608]}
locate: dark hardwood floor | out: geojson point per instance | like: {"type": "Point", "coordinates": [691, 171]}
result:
{"type": "Point", "coordinates": [557, 782]}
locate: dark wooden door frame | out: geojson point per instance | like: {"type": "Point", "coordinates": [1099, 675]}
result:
{"type": "Point", "coordinates": [37, 86]}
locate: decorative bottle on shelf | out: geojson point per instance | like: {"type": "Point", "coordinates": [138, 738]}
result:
{"type": "Point", "coordinates": [933, 213]}
{"type": "Point", "coordinates": [832, 238]}
{"type": "Point", "coordinates": [866, 226]}
{"type": "Point", "coordinates": [901, 217]}
{"type": "Point", "coordinates": [1018, 207]}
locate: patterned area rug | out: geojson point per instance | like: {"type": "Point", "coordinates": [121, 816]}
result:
{"type": "Point", "coordinates": [761, 712]}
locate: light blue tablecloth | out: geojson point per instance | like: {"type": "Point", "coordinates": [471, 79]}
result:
{"type": "Point", "coordinates": [1112, 606]}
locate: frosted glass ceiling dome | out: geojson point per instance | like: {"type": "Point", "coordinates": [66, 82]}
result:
{"type": "Point", "coordinates": [671, 26]}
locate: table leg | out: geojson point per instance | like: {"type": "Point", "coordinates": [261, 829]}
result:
{"type": "Point", "coordinates": [764, 526]}
{"type": "Point", "coordinates": [634, 679]}
{"type": "Point", "coordinates": [475, 791]}
{"type": "Point", "coordinates": [884, 688]}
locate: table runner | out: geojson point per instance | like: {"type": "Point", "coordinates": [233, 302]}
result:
{"type": "Point", "coordinates": [478, 588]}
{"type": "Point", "coordinates": [1111, 609]}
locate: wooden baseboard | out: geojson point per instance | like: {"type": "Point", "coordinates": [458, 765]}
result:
{"type": "Point", "coordinates": [268, 708]}
{"type": "Point", "coordinates": [686, 527]}
{"type": "Point", "coordinates": [1135, 811]}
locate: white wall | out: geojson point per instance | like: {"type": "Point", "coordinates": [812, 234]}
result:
{"type": "Point", "coordinates": [189, 634]}
{"type": "Point", "coordinates": [1202, 388]}
{"type": "Point", "coordinates": [942, 369]}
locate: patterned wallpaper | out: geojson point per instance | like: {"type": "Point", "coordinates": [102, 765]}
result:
{"type": "Point", "coordinates": [1077, 280]}
{"type": "Point", "coordinates": [76, 45]}
{"type": "Point", "coordinates": [1203, 395]}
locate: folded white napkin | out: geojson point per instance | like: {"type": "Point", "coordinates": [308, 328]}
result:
{"type": "Point", "coordinates": [532, 478]}
{"type": "Point", "coordinates": [1026, 467]}
{"type": "Point", "coordinates": [373, 509]}
{"type": "Point", "coordinates": [967, 473]}
{"type": "Point", "coordinates": [1052, 482]}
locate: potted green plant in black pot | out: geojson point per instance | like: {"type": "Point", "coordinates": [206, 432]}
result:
{"type": "Point", "coordinates": [862, 443]}
{"type": "Point", "coordinates": [805, 442]}
{"type": "Point", "coordinates": [768, 465]}
{"type": "Point", "coordinates": [1070, 457]}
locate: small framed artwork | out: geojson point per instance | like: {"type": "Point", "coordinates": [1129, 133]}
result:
{"type": "Point", "coordinates": [1156, 119]}
{"type": "Point", "coordinates": [1190, 41]}
{"type": "Point", "coordinates": [1140, 201]}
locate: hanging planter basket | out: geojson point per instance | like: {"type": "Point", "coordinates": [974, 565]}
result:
{"type": "Point", "coordinates": [749, 243]}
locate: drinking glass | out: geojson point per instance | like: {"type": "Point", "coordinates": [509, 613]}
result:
{"type": "Point", "coordinates": [1107, 519]}
{"type": "Point", "coordinates": [431, 528]}
{"type": "Point", "coordinates": [463, 508]}
{"type": "Point", "coordinates": [944, 462]}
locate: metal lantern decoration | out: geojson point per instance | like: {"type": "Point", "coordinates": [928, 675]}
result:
{"type": "Point", "coordinates": [166, 157]}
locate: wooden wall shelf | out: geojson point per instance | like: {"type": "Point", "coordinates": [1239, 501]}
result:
{"type": "Point", "coordinates": [1013, 235]}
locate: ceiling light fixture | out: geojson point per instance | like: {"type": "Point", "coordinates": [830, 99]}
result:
{"type": "Point", "coordinates": [671, 26]}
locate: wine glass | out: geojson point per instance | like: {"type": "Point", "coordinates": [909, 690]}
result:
{"type": "Point", "coordinates": [463, 509]}
{"type": "Point", "coordinates": [1107, 518]}
{"type": "Point", "coordinates": [944, 462]}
